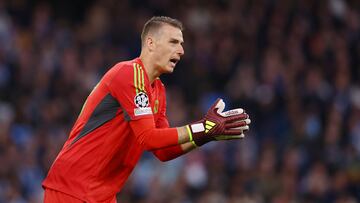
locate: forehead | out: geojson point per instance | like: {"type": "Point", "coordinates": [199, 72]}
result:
{"type": "Point", "coordinates": [168, 31]}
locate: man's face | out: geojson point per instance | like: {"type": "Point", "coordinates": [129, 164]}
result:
{"type": "Point", "coordinates": [168, 48]}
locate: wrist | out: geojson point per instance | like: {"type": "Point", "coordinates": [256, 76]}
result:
{"type": "Point", "coordinates": [191, 139]}
{"type": "Point", "coordinates": [198, 133]}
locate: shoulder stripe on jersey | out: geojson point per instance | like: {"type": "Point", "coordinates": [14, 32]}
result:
{"type": "Point", "coordinates": [139, 81]}
{"type": "Point", "coordinates": [142, 79]}
{"type": "Point", "coordinates": [139, 77]}
{"type": "Point", "coordinates": [135, 78]}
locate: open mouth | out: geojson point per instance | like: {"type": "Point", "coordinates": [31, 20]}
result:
{"type": "Point", "coordinates": [174, 61]}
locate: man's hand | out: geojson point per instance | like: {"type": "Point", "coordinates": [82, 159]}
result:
{"type": "Point", "coordinates": [219, 125]}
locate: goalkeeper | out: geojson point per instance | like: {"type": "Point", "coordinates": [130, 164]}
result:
{"type": "Point", "coordinates": [125, 115]}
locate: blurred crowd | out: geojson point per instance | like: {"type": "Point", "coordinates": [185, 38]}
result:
{"type": "Point", "coordinates": [294, 66]}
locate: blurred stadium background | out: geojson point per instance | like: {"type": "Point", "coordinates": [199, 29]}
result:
{"type": "Point", "coordinates": [293, 65]}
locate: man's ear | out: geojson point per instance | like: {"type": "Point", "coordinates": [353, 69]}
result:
{"type": "Point", "coordinates": [150, 43]}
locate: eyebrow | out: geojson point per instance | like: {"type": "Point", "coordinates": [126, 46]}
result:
{"type": "Point", "coordinates": [176, 40]}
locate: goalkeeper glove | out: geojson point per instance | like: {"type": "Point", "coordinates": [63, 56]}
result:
{"type": "Point", "coordinates": [243, 128]}
{"type": "Point", "coordinates": [218, 125]}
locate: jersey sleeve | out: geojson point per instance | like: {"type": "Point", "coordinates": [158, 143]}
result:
{"type": "Point", "coordinates": [128, 86]}
{"type": "Point", "coordinates": [168, 153]}
{"type": "Point", "coordinates": [151, 138]}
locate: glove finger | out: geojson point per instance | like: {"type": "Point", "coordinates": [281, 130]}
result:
{"type": "Point", "coordinates": [243, 128]}
{"type": "Point", "coordinates": [232, 112]}
{"type": "Point", "coordinates": [229, 137]}
{"type": "Point", "coordinates": [235, 124]}
{"type": "Point", "coordinates": [232, 131]}
{"type": "Point", "coordinates": [218, 104]}
{"type": "Point", "coordinates": [247, 121]}
{"type": "Point", "coordinates": [238, 123]}
{"type": "Point", "coordinates": [233, 118]}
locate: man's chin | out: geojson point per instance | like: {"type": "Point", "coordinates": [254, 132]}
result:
{"type": "Point", "coordinates": [169, 70]}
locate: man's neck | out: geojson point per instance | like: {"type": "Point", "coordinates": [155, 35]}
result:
{"type": "Point", "coordinates": [149, 66]}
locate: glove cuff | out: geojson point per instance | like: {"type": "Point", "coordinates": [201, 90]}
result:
{"type": "Point", "coordinates": [191, 139]}
{"type": "Point", "coordinates": [197, 133]}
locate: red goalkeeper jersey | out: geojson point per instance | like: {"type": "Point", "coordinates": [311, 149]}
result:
{"type": "Point", "coordinates": [120, 119]}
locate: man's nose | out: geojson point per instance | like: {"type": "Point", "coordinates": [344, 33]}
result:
{"type": "Point", "coordinates": [181, 50]}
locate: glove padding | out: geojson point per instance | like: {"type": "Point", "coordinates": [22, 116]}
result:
{"type": "Point", "coordinates": [219, 125]}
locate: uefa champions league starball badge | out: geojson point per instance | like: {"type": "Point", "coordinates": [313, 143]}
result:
{"type": "Point", "coordinates": [141, 100]}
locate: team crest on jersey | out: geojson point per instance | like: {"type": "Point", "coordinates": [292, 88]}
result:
{"type": "Point", "coordinates": [141, 100]}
